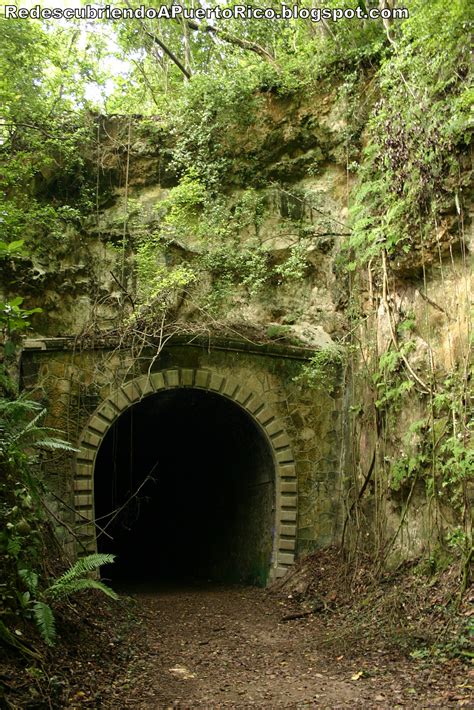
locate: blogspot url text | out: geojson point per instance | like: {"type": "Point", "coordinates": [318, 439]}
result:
{"type": "Point", "coordinates": [164, 12]}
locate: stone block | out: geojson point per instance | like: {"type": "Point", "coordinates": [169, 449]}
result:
{"type": "Point", "coordinates": [131, 391]}
{"type": "Point", "coordinates": [253, 404]}
{"type": "Point", "coordinates": [83, 484]}
{"type": "Point", "coordinates": [289, 545]}
{"type": "Point", "coordinates": [284, 456]}
{"type": "Point", "coordinates": [98, 424]}
{"type": "Point", "coordinates": [145, 385]}
{"type": "Point", "coordinates": [108, 411]}
{"type": "Point", "coordinates": [266, 415]}
{"type": "Point", "coordinates": [201, 378]}
{"type": "Point", "coordinates": [84, 516]}
{"type": "Point", "coordinates": [281, 441]}
{"type": "Point", "coordinates": [287, 516]}
{"type": "Point", "coordinates": [216, 382]}
{"type": "Point", "coordinates": [287, 470]}
{"type": "Point", "coordinates": [83, 469]}
{"type": "Point", "coordinates": [119, 400]}
{"type": "Point", "coordinates": [187, 377]}
{"type": "Point", "coordinates": [158, 381]}
{"type": "Point", "coordinates": [83, 500]}
{"type": "Point", "coordinates": [91, 438]}
{"type": "Point", "coordinates": [289, 530]}
{"type": "Point", "coordinates": [285, 558]}
{"type": "Point", "coordinates": [242, 395]}
{"type": "Point", "coordinates": [86, 455]}
{"type": "Point", "coordinates": [274, 427]}
{"type": "Point", "coordinates": [230, 388]}
{"type": "Point", "coordinates": [288, 501]}
{"type": "Point", "coordinates": [288, 487]}
{"type": "Point", "coordinates": [172, 378]}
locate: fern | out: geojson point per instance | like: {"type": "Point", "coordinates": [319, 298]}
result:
{"type": "Point", "coordinates": [75, 578]}
{"type": "Point", "coordinates": [44, 618]}
{"type": "Point", "coordinates": [71, 582]}
{"type": "Point", "coordinates": [55, 445]}
{"type": "Point", "coordinates": [84, 566]}
{"type": "Point", "coordinates": [76, 585]}
{"type": "Point", "coordinates": [30, 579]}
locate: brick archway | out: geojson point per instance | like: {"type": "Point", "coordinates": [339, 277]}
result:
{"type": "Point", "coordinates": [262, 414]}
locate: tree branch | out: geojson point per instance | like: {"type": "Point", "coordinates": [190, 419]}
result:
{"type": "Point", "coordinates": [237, 41]}
{"type": "Point", "coordinates": [162, 46]}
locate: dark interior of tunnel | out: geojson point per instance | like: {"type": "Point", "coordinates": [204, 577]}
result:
{"type": "Point", "coordinates": [184, 489]}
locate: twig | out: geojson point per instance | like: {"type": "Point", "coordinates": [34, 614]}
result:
{"type": "Point", "coordinates": [123, 289]}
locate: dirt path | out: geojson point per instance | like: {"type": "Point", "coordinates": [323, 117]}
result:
{"type": "Point", "coordinates": [217, 647]}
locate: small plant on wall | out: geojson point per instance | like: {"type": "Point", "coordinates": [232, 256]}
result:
{"type": "Point", "coordinates": [324, 370]}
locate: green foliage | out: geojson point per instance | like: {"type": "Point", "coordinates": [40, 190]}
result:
{"type": "Point", "coordinates": [390, 378]}
{"type": "Point", "coordinates": [44, 619]}
{"type": "Point", "coordinates": [21, 429]}
{"type": "Point", "coordinates": [77, 572]}
{"type": "Point", "coordinates": [14, 318]}
{"type": "Point", "coordinates": [74, 580]}
{"type": "Point", "coordinates": [23, 516]}
{"type": "Point", "coordinates": [204, 122]}
{"type": "Point", "coordinates": [323, 372]}
{"type": "Point", "coordinates": [157, 284]}
{"type": "Point", "coordinates": [417, 134]}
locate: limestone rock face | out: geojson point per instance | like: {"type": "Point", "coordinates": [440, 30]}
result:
{"type": "Point", "coordinates": [85, 279]}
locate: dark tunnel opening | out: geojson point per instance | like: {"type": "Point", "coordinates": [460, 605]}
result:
{"type": "Point", "coordinates": [184, 487]}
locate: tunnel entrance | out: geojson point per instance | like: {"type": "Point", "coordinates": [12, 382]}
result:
{"type": "Point", "coordinates": [184, 486]}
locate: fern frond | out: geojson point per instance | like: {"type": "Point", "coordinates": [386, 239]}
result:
{"type": "Point", "coordinates": [30, 579]}
{"type": "Point", "coordinates": [18, 407]}
{"type": "Point", "coordinates": [77, 585]}
{"type": "Point", "coordinates": [44, 618]}
{"type": "Point", "coordinates": [82, 567]}
{"type": "Point", "coordinates": [55, 445]}
{"type": "Point", "coordinates": [32, 423]}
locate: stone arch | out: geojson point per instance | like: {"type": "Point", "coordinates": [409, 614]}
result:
{"type": "Point", "coordinates": [262, 413]}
